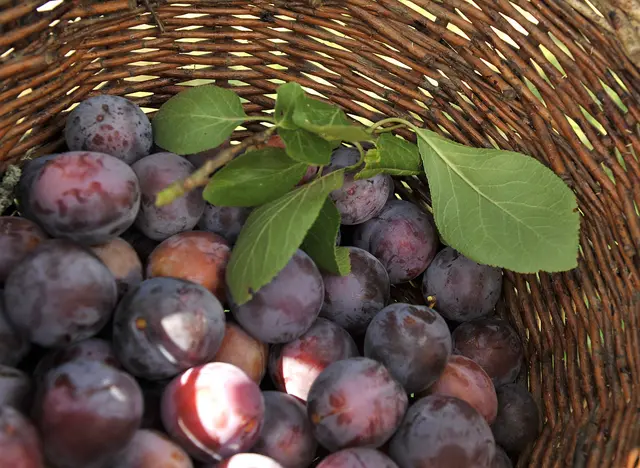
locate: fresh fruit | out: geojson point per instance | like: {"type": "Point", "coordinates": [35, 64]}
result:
{"type": "Point", "coordinates": [351, 301]}
{"type": "Point", "coordinates": [15, 388]}
{"type": "Point", "coordinates": [517, 422]}
{"type": "Point", "coordinates": [90, 198]}
{"type": "Point", "coordinates": [243, 351]}
{"type": "Point", "coordinates": [165, 326]}
{"type": "Point", "coordinates": [14, 345]}
{"type": "Point", "coordinates": [226, 221]}
{"type": "Point", "coordinates": [213, 411]}
{"type": "Point", "coordinates": [442, 431]}
{"type": "Point", "coordinates": [294, 366]}
{"type": "Point", "coordinates": [109, 124]}
{"type": "Point", "coordinates": [123, 262]}
{"type": "Point", "coordinates": [18, 237]}
{"type": "Point", "coordinates": [20, 445]}
{"type": "Point", "coordinates": [285, 308]}
{"type": "Point", "coordinates": [151, 449]}
{"type": "Point", "coordinates": [402, 237]}
{"type": "Point", "coordinates": [355, 403]}
{"type": "Point", "coordinates": [463, 289]}
{"type": "Point", "coordinates": [413, 342]}
{"type": "Point", "coordinates": [358, 457]}
{"type": "Point", "coordinates": [493, 344]}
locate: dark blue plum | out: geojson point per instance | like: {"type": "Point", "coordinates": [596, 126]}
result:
{"type": "Point", "coordinates": [18, 237]}
{"type": "Point", "coordinates": [226, 221]}
{"type": "Point", "coordinates": [517, 423]}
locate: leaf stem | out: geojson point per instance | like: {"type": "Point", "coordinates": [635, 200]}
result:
{"type": "Point", "coordinates": [360, 160]}
{"type": "Point", "coordinates": [389, 129]}
{"type": "Point", "coordinates": [201, 176]}
{"type": "Point", "coordinates": [394, 120]}
{"type": "Point", "coordinates": [260, 118]}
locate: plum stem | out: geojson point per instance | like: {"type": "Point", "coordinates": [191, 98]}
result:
{"type": "Point", "coordinates": [201, 176]}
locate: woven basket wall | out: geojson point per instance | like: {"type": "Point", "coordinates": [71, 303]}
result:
{"type": "Point", "coordinates": [550, 78]}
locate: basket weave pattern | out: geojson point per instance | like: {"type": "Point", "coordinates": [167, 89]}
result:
{"type": "Point", "coordinates": [542, 77]}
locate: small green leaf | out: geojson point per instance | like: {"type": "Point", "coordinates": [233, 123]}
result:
{"type": "Point", "coordinates": [254, 178]}
{"type": "Point", "coordinates": [197, 119]}
{"type": "Point", "coordinates": [273, 233]}
{"type": "Point", "coordinates": [328, 121]}
{"type": "Point", "coordinates": [500, 208]}
{"type": "Point", "coordinates": [320, 242]}
{"type": "Point", "coordinates": [306, 147]}
{"type": "Point", "coordinates": [393, 156]}
{"type": "Point", "coordinates": [289, 95]}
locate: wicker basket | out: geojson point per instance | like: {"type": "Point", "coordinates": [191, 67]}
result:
{"type": "Point", "coordinates": [550, 78]}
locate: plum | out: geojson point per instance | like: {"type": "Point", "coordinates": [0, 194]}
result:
{"type": "Point", "coordinates": [18, 237]}
{"type": "Point", "coordinates": [464, 379]}
{"type": "Point", "coordinates": [351, 301]}
{"type": "Point", "coordinates": [308, 176]}
{"type": "Point", "coordinates": [140, 243]}
{"type": "Point", "coordinates": [20, 444]}
{"type": "Point", "coordinates": [402, 237]}
{"type": "Point", "coordinates": [464, 290]}
{"type": "Point", "coordinates": [87, 412]}
{"type": "Point", "coordinates": [248, 460]}
{"type": "Point", "coordinates": [358, 457]}
{"type": "Point", "coordinates": [445, 431]}
{"type": "Point", "coordinates": [296, 365]}
{"type": "Point", "coordinates": [517, 423]}
{"type": "Point", "coordinates": [355, 403]}
{"type": "Point", "coordinates": [243, 351]}
{"type": "Point", "coordinates": [413, 341]}
{"type": "Point", "coordinates": [151, 449]}
{"type": "Point", "coordinates": [357, 200]}
{"type": "Point", "coordinates": [109, 124]}
{"type": "Point", "coordinates": [165, 326]}
{"type": "Point", "coordinates": [90, 198]}
{"type": "Point", "coordinates": [123, 262]}
{"type": "Point", "coordinates": [226, 221]}
{"type": "Point", "coordinates": [501, 459]}
{"type": "Point", "coordinates": [213, 411]}
{"type": "Point", "coordinates": [15, 388]}
{"type": "Point", "coordinates": [156, 172]}
{"type": "Point", "coordinates": [93, 349]}
{"type": "Point", "coordinates": [286, 435]}
{"type": "Point", "coordinates": [285, 308]}
{"type": "Point", "coordinates": [492, 343]}
{"type": "Point", "coordinates": [14, 345]}
{"type": "Point", "coordinates": [71, 294]}
{"type": "Point", "coordinates": [197, 256]}
{"type": "Point", "coordinates": [30, 170]}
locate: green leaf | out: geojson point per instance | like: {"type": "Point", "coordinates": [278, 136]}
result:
{"type": "Point", "coordinates": [254, 178]}
{"type": "Point", "coordinates": [500, 208]}
{"type": "Point", "coordinates": [328, 121]}
{"type": "Point", "coordinates": [306, 147]}
{"type": "Point", "coordinates": [289, 96]}
{"type": "Point", "coordinates": [273, 233]}
{"type": "Point", "coordinates": [197, 119]}
{"type": "Point", "coordinates": [393, 156]}
{"type": "Point", "coordinates": [320, 242]}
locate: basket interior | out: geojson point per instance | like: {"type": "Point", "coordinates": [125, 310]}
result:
{"type": "Point", "coordinates": [546, 78]}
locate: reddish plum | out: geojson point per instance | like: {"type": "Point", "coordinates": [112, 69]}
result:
{"type": "Point", "coordinates": [359, 457]}
{"type": "Point", "coordinates": [20, 445]}
{"type": "Point", "coordinates": [402, 237]}
{"type": "Point", "coordinates": [156, 172]}
{"type": "Point", "coordinates": [71, 294]}
{"type": "Point", "coordinates": [463, 378]}
{"type": "Point", "coordinates": [351, 301]}
{"type": "Point", "coordinates": [243, 351]}
{"type": "Point", "coordinates": [493, 344]}
{"type": "Point", "coordinates": [248, 460]}
{"type": "Point", "coordinates": [413, 341]}
{"type": "Point", "coordinates": [213, 411]}
{"type": "Point", "coordinates": [123, 262]}
{"type": "Point", "coordinates": [109, 124]}
{"type": "Point", "coordinates": [90, 198]}
{"type": "Point", "coordinates": [357, 200]}
{"type": "Point", "coordinates": [165, 326]}
{"type": "Point", "coordinates": [464, 290]}
{"type": "Point", "coordinates": [285, 308]}
{"type": "Point", "coordinates": [226, 221]}
{"type": "Point", "coordinates": [15, 388]}
{"type": "Point", "coordinates": [296, 365]}
{"type": "Point", "coordinates": [442, 431]}
{"type": "Point", "coordinates": [18, 237]}
{"type": "Point", "coordinates": [87, 412]}
{"type": "Point", "coordinates": [355, 403]}
{"type": "Point", "coordinates": [196, 256]}
{"type": "Point", "coordinates": [286, 435]}
{"type": "Point", "coordinates": [151, 449]}
{"type": "Point", "coordinates": [517, 423]}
